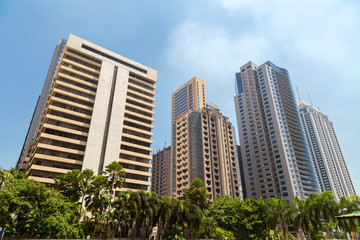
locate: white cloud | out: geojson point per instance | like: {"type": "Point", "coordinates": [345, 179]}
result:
{"type": "Point", "coordinates": [317, 41]}
{"type": "Point", "coordinates": [211, 51]}
{"type": "Point", "coordinates": [317, 35]}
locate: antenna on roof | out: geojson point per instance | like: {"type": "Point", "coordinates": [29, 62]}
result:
{"type": "Point", "coordinates": [297, 90]}
{"type": "Point", "coordinates": [310, 99]}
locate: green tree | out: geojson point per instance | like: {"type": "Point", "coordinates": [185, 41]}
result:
{"type": "Point", "coordinates": [75, 185]}
{"type": "Point", "coordinates": [30, 209]}
{"type": "Point", "coordinates": [115, 175]}
{"type": "Point", "coordinates": [97, 202]}
{"type": "Point", "coordinates": [324, 207]}
{"type": "Point", "coordinates": [280, 211]}
{"type": "Point", "coordinates": [263, 211]}
{"type": "Point", "coordinates": [239, 217]}
{"type": "Point", "coordinates": [69, 185]}
{"type": "Point", "coordinates": [304, 217]}
{"type": "Point", "coordinates": [192, 215]}
{"type": "Point", "coordinates": [207, 228]}
{"type": "Point", "coordinates": [9, 175]}
{"type": "Point", "coordinates": [164, 213]}
{"type": "Point", "coordinates": [348, 205]}
{"type": "Point", "coordinates": [197, 194]}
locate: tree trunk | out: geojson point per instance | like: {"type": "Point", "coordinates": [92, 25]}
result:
{"type": "Point", "coordinates": [82, 202]}
{"type": "Point", "coordinates": [328, 229]}
{"type": "Point", "coordinates": [355, 232]}
{"type": "Point", "coordinates": [310, 237]}
{"type": "Point", "coordinates": [283, 228]}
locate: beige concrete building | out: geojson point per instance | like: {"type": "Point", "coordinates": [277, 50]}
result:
{"type": "Point", "coordinates": [161, 172]}
{"type": "Point", "coordinates": [96, 107]}
{"type": "Point", "coordinates": [189, 97]}
{"type": "Point", "coordinates": [205, 149]}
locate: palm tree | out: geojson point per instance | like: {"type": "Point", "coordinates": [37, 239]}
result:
{"type": "Point", "coordinates": [122, 213]}
{"type": "Point", "coordinates": [304, 216]}
{"type": "Point", "coordinates": [192, 215]}
{"type": "Point", "coordinates": [280, 211]}
{"type": "Point", "coordinates": [164, 213]}
{"type": "Point", "coordinates": [87, 176]}
{"type": "Point", "coordinates": [154, 202]}
{"type": "Point", "coordinates": [69, 185]}
{"type": "Point", "coordinates": [197, 194]}
{"type": "Point", "coordinates": [115, 175]}
{"type": "Point", "coordinates": [324, 208]}
{"type": "Point", "coordinates": [262, 209]}
{"type": "Point", "coordinates": [177, 213]}
{"type": "Point", "coordinates": [348, 205]}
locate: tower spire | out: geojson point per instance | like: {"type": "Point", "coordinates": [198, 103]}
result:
{"type": "Point", "coordinates": [310, 99]}
{"type": "Point", "coordinates": [297, 90]}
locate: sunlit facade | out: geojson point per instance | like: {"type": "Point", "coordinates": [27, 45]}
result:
{"type": "Point", "coordinates": [275, 156]}
{"type": "Point", "coordinates": [96, 107]}
{"type": "Point", "coordinates": [205, 149]}
{"type": "Point", "coordinates": [189, 97]}
{"type": "Point", "coordinates": [325, 149]}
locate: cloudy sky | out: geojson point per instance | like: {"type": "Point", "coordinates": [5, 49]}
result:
{"type": "Point", "coordinates": [317, 41]}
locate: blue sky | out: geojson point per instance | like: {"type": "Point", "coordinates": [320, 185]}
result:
{"type": "Point", "coordinates": [317, 41]}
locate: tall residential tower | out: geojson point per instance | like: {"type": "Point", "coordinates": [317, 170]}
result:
{"type": "Point", "coordinates": [187, 98]}
{"type": "Point", "coordinates": [96, 107]}
{"type": "Point", "coordinates": [275, 155]}
{"type": "Point", "coordinates": [325, 149]}
{"type": "Point", "coordinates": [205, 149]}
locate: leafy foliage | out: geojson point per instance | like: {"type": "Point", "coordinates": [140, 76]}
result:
{"type": "Point", "coordinates": [83, 204]}
{"type": "Point", "coordinates": [197, 194]}
{"type": "Point", "coordinates": [29, 208]}
{"type": "Point", "coordinates": [238, 217]}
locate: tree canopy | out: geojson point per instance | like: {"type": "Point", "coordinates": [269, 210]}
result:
{"type": "Point", "coordinates": [81, 204]}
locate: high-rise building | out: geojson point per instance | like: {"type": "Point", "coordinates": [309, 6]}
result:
{"type": "Point", "coordinates": [161, 172]}
{"type": "Point", "coordinates": [95, 108]}
{"type": "Point", "coordinates": [189, 97]}
{"type": "Point", "coordinates": [325, 149]}
{"type": "Point", "coordinates": [205, 149]}
{"type": "Point", "coordinates": [275, 155]}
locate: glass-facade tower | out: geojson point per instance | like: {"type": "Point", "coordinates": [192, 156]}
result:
{"type": "Point", "coordinates": [325, 149]}
{"type": "Point", "coordinates": [275, 154]}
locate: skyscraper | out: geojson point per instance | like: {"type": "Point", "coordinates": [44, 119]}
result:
{"type": "Point", "coordinates": [161, 172]}
{"type": "Point", "coordinates": [95, 108]}
{"type": "Point", "coordinates": [275, 155]}
{"type": "Point", "coordinates": [187, 98]}
{"type": "Point", "coordinates": [325, 149]}
{"type": "Point", "coordinates": [205, 149]}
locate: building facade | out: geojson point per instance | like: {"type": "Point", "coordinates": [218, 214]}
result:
{"type": "Point", "coordinates": [325, 149]}
{"type": "Point", "coordinates": [205, 149]}
{"type": "Point", "coordinates": [96, 107]}
{"type": "Point", "coordinates": [161, 172]}
{"type": "Point", "coordinates": [275, 155]}
{"type": "Point", "coordinates": [241, 173]}
{"type": "Point", "coordinates": [189, 97]}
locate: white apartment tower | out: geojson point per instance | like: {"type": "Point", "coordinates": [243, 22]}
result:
{"type": "Point", "coordinates": [325, 149]}
{"type": "Point", "coordinates": [96, 107]}
{"type": "Point", "coordinates": [276, 160]}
